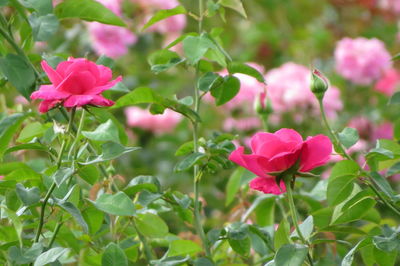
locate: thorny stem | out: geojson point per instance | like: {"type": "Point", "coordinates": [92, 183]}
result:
{"type": "Point", "coordinates": [343, 152]}
{"type": "Point", "coordinates": [53, 186]}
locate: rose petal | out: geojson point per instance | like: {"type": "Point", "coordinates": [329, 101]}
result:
{"type": "Point", "coordinates": [267, 185]}
{"type": "Point", "coordinates": [46, 105]}
{"type": "Point", "coordinates": [48, 92]}
{"type": "Point", "coordinates": [54, 77]}
{"type": "Point", "coordinates": [78, 100]}
{"type": "Point", "coordinates": [289, 135]}
{"type": "Point", "coordinates": [251, 162]}
{"type": "Point", "coordinates": [316, 152]}
{"type": "Point", "coordinates": [100, 89]}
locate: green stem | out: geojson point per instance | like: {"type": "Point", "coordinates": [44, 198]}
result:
{"type": "Point", "coordinates": [58, 227]}
{"type": "Point", "coordinates": [196, 173]}
{"type": "Point", "coordinates": [293, 213]}
{"type": "Point", "coordinates": [264, 119]}
{"type": "Point", "coordinates": [147, 250]}
{"type": "Point", "coordinates": [53, 186]}
{"type": "Point", "coordinates": [343, 152]}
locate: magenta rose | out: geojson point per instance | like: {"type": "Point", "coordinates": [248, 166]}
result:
{"type": "Point", "coordinates": [75, 83]}
{"type": "Point", "coordinates": [273, 153]}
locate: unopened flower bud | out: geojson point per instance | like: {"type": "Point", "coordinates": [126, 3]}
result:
{"type": "Point", "coordinates": [261, 104]}
{"type": "Point", "coordinates": [319, 84]}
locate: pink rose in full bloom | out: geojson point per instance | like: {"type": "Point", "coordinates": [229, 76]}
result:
{"type": "Point", "coordinates": [361, 60]}
{"type": "Point", "coordinates": [289, 90]}
{"type": "Point", "coordinates": [158, 124]}
{"type": "Point", "coordinates": [74, 83]}
{"type": "Point", "coordinates": [112, 41]}
{"type": "Point", "coordinates": [279, 151]}
{"type": "Point", "coordinates": [388, 83]}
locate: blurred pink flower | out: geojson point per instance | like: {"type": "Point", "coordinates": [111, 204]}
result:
{"type": "Point", "coordinates": [363, 125]}
{"type": "Point", "coordinates": [21, 100]}
{"type": "Point", "coordinates": [158, 124]}
{"type": "Point", "coordinates": [388, 83]}
{"type": "Point", "coordinates": [241, 124]}
{"type": "Point", "coordinates": [383, 131]}
{"type": "Point", "coordinates": [390, 5]}
{"type": "Point", "coordinates": [112, 41]}
{"type": "Point", "coordinates": [361, 60]}
{"type": "Point", "coordinates": [289, 90]}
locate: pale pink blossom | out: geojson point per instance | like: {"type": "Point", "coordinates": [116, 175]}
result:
{"type": "Point", "coordinates": [241, 124]}
{"type": "Point", "coordinates": [21, 100]}
{"type": "Point", "coordinates": [383, 131]}
{"type": "Point", "coordinates": [158, 124]}
{"type": "Point", "coordinates": [390, 5]}
{"type": "Point", "coordinates": [112, 41]}
{"type": "Point", "coordinates": [388, 83]}
{"type": "Point", "coordinates": [361, 60]}
{"type": "Point", "coordinates": [289, 90]}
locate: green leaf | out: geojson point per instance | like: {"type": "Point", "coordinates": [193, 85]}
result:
{"type": "Point", "coordinates": [394, 169]}
{"type": "Point", "coordinates": [114, 256]}
{"type": "Point", "coordinates": [110, 151]}
{"type": "Point", "coordinates": [189, 161]}
{"type": "Point", "coordinates": [238, 230]}
{"type": "Point", "coordinates": [24, 256]}
{"type": "Point", "coordinates": [118, 204]}
{"type": "Point", "coordinates": [15, 221]}
{"type": "Point", "coordinates": [89, 173]}
{"type": "Point", "coordinates": [383, 184]}
{"type": "Point", "coordinates": [226, 91]}
{"type": "Point", "coordinates": [281, 236]}
{"type": "Point", "coordinates": [31, 131]}
{"type": "Point", "coordinates": [50, 256]}
{"type": "Point", "coordinates": [76, 213]}
{"type": "Point", "coordinates": [163, 14]}
{"type": "Point", "coordinates": [28, 146]}
{"type": "Point", "coordinates": [147, 95]}
{"type": "Point", "coordinates": [43, 27]}
{"type": "Point", "coordinates": [395, 98]}
{"type": "Point", "coordinates": [142, 182]}
{"type": "Point", "coordinates": [208, 81]}
{"type": "Point", "coordinates": [106, 61]}
{"type": "Point", "coordinates": [233, 185]}
{"type": "Point", "coordinates": [19, 73]}
{"type": "Point", "coordinates": [306, 228]}
{"type": "Point", "coordinates": [354, 212]}
{"type": "Point", "coordinates": [235, 5]}
{"type": "Point", "coordinates": [185, 148]}
{"type": "Point", "coordinates": [348, 137]}
{"type": "Point", "coordinates": [94, 219]}
{"type": "Point", "coordinates": [8, 128]}
{"type": "Point", "coordinates": [340, 182]}
{"type": "Point", "coordinates": [242, 246]}
{"type": "Point", "coordinates": [245, 69]}
{"type": "Point", "coordinates": [62, 174]}
{"type": "Point", "coordinates": [291, 255]}
{"type": "Point", "coordinates": [348, 259]}
{"type": "Point", "coordinates": [43, 7]}
{"type": "Point", "coordinates": [183, 247]}
{"type": "Point", "coordinates": [104, 132]}
{"type": "Point", "coordinates": [151, 225]}
{"type": "Point", "coordinates": [170, 261]}
{"type": "Point", "coordinates": [195, 47]}
{"type": "Point", "coordinates": [389, 240]}
{"type": "Point", "coordinates": [89, 10]}
{"type": "Point", "coordinates": [29, 196]}
{"type": "Point", "coordinates": [380, 154]}
{"type": "Point", "coordinates": [163, 60]}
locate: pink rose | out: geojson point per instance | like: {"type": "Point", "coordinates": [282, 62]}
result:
{"type": "Point", "coordinates": [390, 5]}
{"type": "Point", "coordinates": [279, 151]}
{"type": "Point", "coordinates": [388, 83]}
{"type": "Point", "coordinates": [361, 60]}
{"type": "Point", "coordinates": [158, 124]}
{"type": "Point", "coordinates": [74, 83]}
